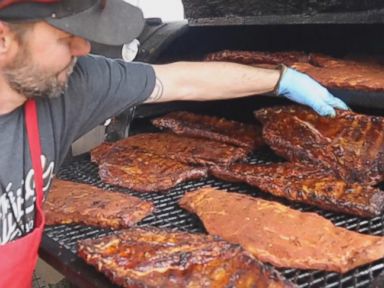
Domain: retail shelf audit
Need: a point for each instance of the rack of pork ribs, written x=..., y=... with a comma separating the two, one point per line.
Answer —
x=362, y=73
x=76, y=203
x=334, y=162
x=279, y=235
x=153, y=257
x=152, y=162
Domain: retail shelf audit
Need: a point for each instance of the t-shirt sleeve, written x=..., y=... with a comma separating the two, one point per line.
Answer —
x=98, y=89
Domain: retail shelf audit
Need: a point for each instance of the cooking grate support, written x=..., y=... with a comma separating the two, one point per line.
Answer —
x=169, y=215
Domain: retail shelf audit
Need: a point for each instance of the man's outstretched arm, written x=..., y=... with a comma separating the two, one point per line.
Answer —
x=202, y=81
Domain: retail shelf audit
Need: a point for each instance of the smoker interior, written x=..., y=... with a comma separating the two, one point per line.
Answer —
x=59, y=242
x=337, y=40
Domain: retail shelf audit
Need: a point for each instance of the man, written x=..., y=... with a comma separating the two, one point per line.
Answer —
x=51, y=93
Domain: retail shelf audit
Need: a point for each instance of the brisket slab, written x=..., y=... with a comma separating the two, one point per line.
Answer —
x=351, y=144
x=307, y=184
x=70, y=202
x=219, y=129
x=141, y=171
x=150, y=257
x=280, y=235
x=188, y=150
x=351, y=74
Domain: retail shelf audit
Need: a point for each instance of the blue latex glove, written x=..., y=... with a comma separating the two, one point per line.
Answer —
x=302, y=89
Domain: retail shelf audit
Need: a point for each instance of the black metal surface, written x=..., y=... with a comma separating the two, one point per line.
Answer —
x=59, y=243
x=193, y=43
x=155, y=32
x=214, y=8
x=242, y=12
x=365, y=17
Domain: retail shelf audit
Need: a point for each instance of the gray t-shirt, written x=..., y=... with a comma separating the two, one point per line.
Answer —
x=98, y=89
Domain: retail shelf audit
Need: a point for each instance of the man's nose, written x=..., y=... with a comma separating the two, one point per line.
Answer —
x=80, y=47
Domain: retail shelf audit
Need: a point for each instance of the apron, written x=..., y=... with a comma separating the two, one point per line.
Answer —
x=18, y=258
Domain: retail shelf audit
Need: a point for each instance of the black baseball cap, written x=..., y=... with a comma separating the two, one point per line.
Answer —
x=111, y=22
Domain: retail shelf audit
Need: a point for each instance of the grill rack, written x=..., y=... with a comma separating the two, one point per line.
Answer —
x=169, y=215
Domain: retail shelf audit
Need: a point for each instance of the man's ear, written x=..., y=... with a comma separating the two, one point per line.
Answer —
x=5, y=38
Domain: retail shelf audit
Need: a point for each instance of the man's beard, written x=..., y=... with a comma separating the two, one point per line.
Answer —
x=30, y=81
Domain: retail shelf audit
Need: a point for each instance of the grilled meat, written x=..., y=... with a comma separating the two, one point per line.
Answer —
x=353, y=74
x=150, y=257
x=219, y=129
x=70, y=202
x=280, y=235
x=100, y=152
x=139, y=170
x=351, y=144
x=308, y=184
x=195, y=151
x=344, y=74
x=258, y=57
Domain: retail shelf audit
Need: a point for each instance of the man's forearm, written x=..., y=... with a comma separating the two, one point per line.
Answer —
x=202, y=81
x=222, y=80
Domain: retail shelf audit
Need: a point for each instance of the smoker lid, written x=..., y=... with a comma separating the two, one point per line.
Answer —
x=265, y=12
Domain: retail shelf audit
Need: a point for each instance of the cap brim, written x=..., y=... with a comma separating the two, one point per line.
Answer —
x=118, y=23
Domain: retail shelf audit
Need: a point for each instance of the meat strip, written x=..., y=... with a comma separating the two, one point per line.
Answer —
x=282, y=236
x=141, y=171
x=150, y=257
x=215, y=128
x=307, y=184
x=350, y=74
x=351, y=144
x=100, y=152
x=259, y=57
x=188, y=150
x=70, y=202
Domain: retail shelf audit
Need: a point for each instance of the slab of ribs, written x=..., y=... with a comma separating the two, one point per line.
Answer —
x=150, y=257
x=69, y=202
x=142, y=171
x=279, y=235
x=307, y=184
x=153, y=162
x=215, y=128
x=188, y=150
x=358, y=74
x=351, y=144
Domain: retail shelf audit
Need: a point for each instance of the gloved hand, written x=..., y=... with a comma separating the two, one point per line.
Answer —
x=302, y=89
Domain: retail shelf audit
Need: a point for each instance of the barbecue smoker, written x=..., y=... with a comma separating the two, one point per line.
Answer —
x=338, y=28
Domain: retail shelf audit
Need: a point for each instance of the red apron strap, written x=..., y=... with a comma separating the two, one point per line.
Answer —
x=31, y=122
x=21, y=255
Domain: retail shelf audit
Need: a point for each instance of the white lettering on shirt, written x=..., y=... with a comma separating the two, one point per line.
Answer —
x=8, y=223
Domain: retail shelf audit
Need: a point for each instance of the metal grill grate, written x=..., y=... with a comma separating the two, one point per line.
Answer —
x=168, y=214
